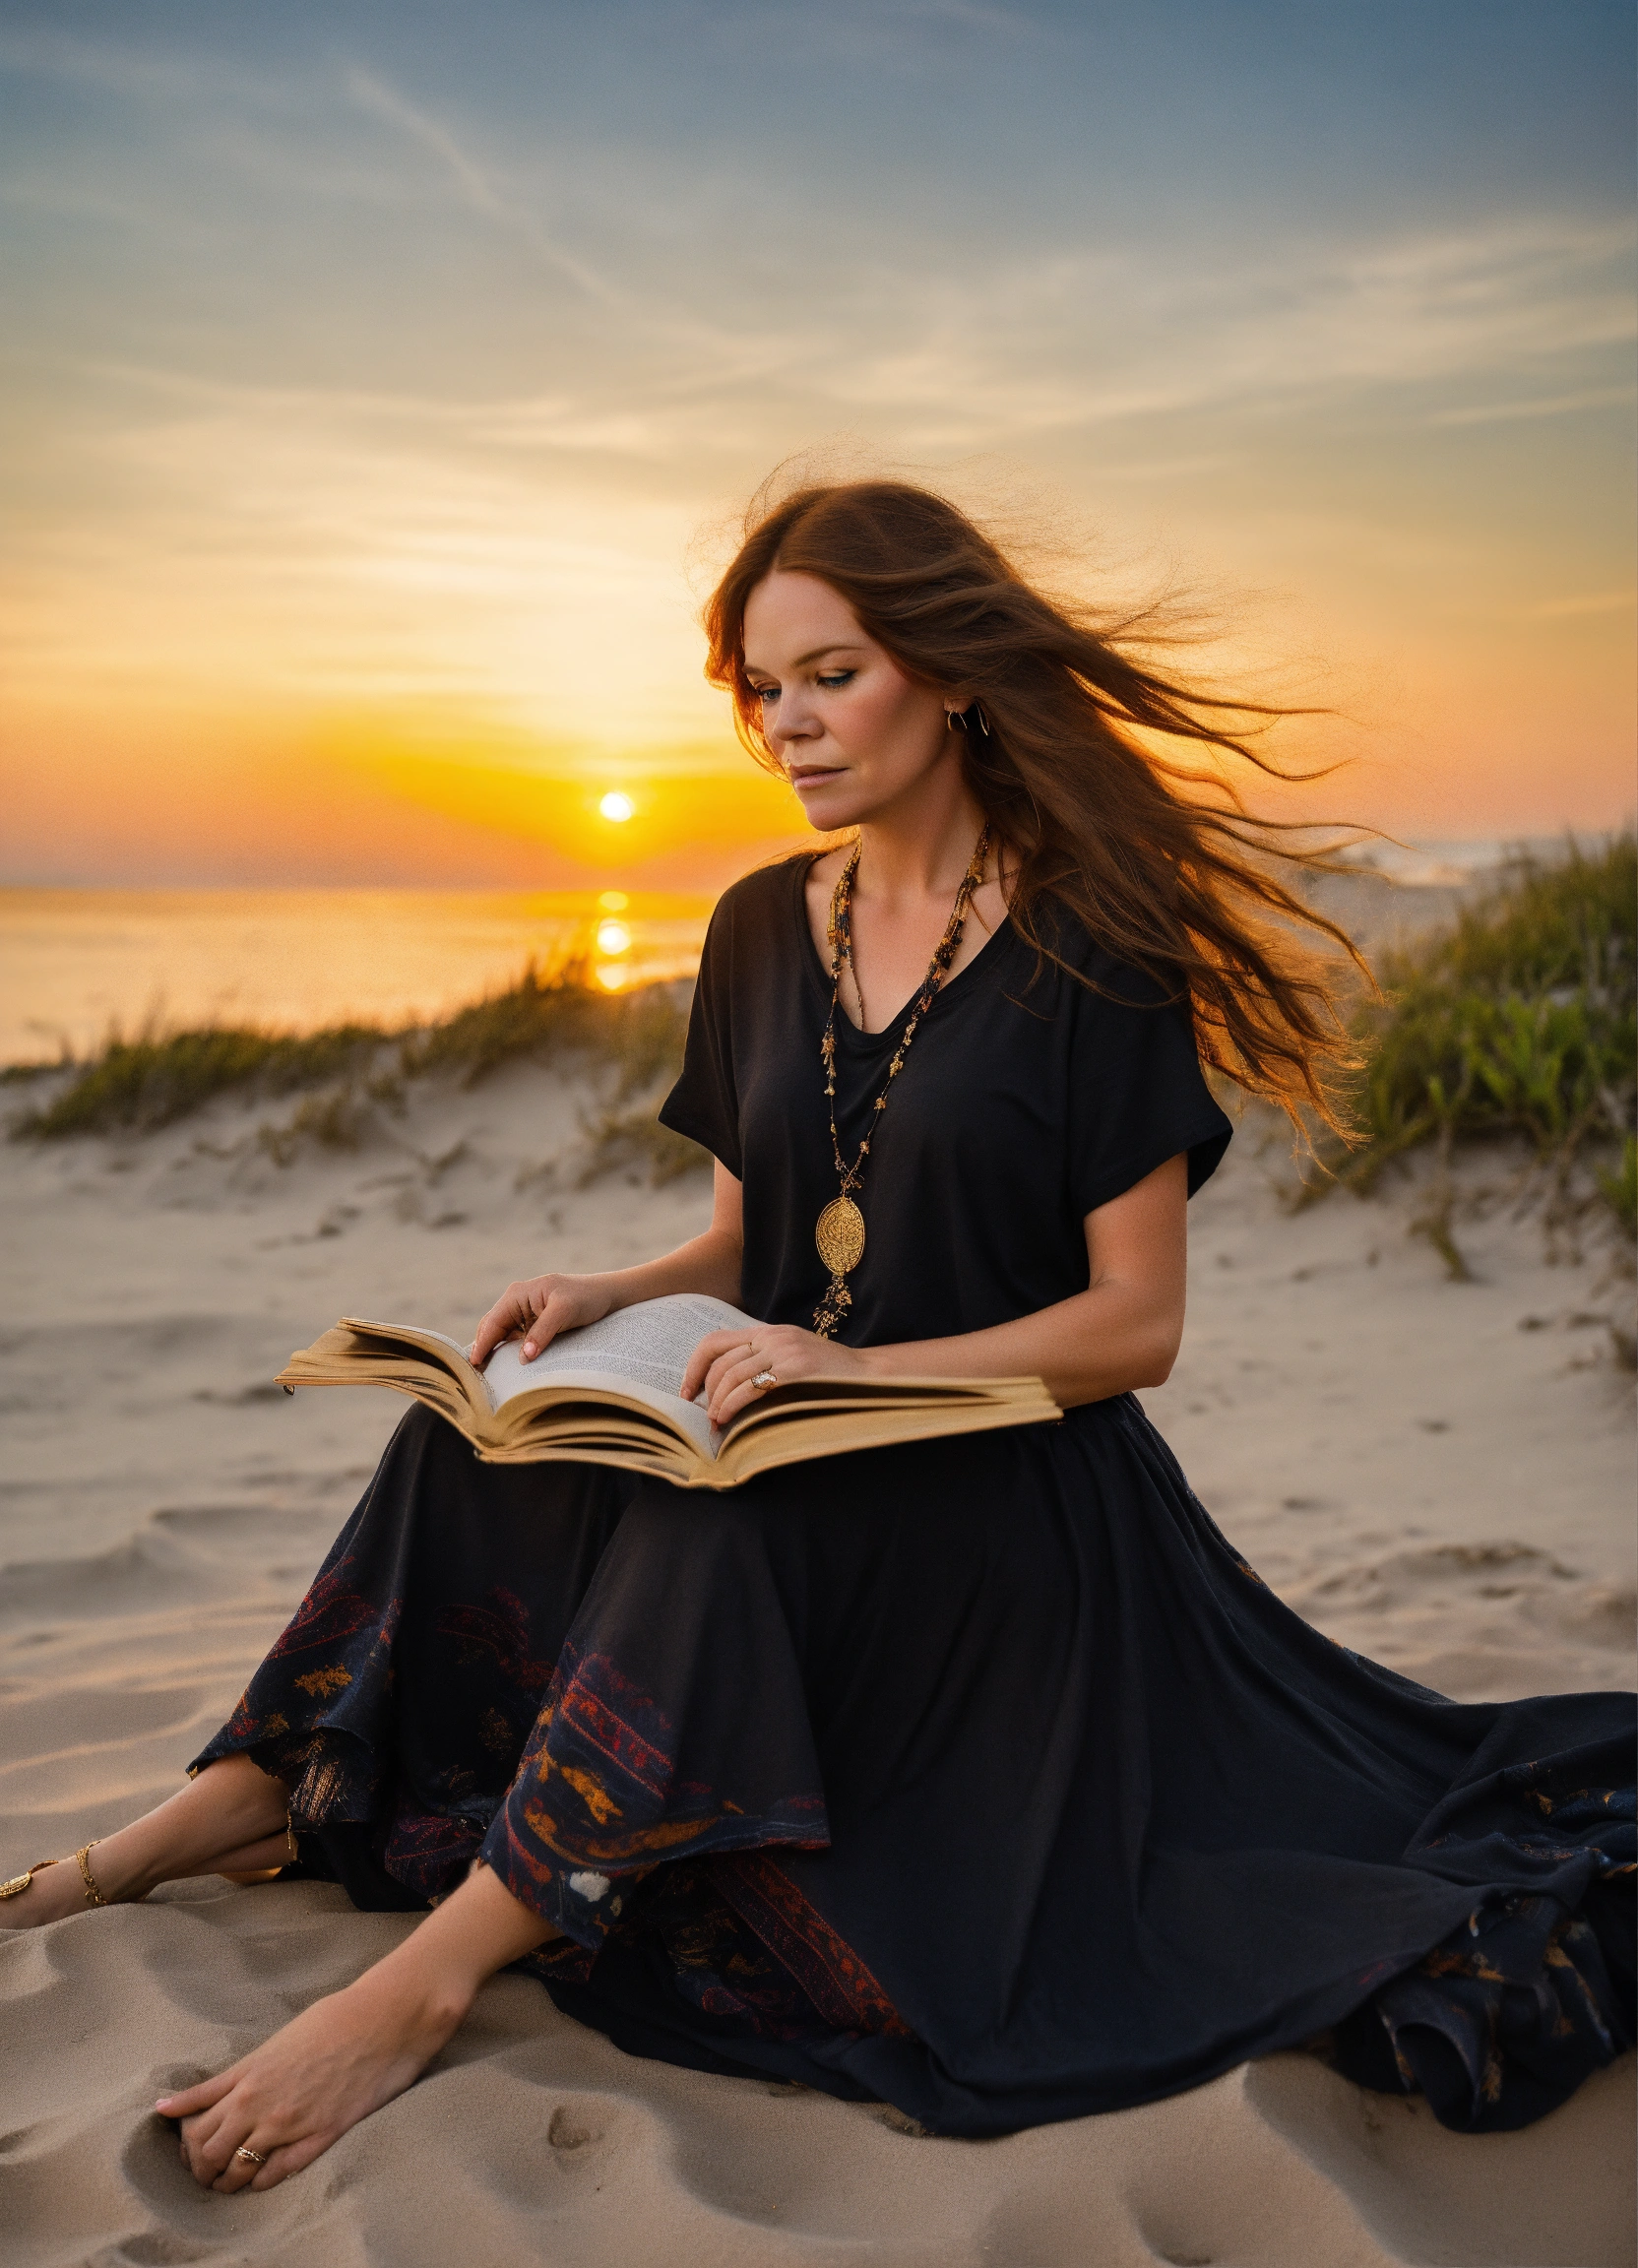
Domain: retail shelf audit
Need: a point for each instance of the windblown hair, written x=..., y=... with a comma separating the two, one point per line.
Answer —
x=1156, y=855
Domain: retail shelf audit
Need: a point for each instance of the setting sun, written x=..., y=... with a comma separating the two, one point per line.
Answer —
x=398, y=614
x=614, y=938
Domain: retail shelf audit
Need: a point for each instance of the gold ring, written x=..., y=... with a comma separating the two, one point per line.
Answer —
x=764, y=1379
x=254, y=2156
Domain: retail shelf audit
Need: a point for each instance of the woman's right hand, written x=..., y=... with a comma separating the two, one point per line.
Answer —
x=537, y=1309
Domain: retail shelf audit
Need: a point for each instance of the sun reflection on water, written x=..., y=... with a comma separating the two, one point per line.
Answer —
x=78, y=961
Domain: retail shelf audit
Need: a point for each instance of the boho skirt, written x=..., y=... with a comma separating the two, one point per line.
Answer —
x=979, y=1777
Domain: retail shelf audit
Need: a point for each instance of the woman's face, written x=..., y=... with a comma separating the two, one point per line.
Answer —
x=855, y=734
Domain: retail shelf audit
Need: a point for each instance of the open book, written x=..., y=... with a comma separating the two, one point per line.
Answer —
x=608, y=1395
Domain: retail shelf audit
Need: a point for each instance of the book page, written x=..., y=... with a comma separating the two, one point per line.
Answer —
x=642, y=1351
x=453, y=1346
x=825, y=1432
x=388, y=1342
x=559, y=1391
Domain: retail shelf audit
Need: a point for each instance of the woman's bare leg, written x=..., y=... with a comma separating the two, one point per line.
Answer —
x=229, y=1820
x=347, y=2055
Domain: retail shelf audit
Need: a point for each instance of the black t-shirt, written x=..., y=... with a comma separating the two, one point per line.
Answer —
x=1021, y=1107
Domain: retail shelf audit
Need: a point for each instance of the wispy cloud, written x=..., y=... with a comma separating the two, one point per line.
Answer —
x=46, y=52
x=257, y=543
x=1547, y=406
x=1591, y=603
x=385, y=103
x=1080, y=341
x=371, y=94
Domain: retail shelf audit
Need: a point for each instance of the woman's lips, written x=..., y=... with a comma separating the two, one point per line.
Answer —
x=813, y=775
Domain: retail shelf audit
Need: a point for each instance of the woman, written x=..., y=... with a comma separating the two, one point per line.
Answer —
x=981, y=1776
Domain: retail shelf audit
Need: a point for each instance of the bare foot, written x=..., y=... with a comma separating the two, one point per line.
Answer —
x=289, y=2098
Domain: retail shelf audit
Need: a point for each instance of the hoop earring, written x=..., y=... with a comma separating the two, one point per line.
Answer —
x=983, y=721
x=955, y=717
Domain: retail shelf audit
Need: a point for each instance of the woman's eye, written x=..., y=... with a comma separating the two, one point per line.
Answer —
x=765, y=692
x=834, y=677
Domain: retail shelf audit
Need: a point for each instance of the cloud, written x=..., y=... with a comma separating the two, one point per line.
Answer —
x=1099, y=339
x=522, y=550
x=45, y=52
x=716, y=303
x=1591, y=603
x=1550, y=406
x=328, y=548
x=373, y=95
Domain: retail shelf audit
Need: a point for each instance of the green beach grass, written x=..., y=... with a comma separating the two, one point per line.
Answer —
x=138, y=1085
x=1518, y=1017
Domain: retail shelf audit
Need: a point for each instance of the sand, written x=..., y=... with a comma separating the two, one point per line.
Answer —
x=1439, y=1472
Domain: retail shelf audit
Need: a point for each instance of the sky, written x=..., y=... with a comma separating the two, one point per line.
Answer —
x=381, y=385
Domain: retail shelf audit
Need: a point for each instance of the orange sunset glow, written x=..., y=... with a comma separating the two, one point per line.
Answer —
x=387, y=401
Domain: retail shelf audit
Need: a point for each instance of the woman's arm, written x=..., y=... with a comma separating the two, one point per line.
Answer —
x=537, y=1308
x=1122, y=1331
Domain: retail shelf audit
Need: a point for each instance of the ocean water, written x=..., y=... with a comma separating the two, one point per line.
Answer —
x=76, y=965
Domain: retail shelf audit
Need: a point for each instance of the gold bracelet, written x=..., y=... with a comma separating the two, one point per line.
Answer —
x=94, y=1896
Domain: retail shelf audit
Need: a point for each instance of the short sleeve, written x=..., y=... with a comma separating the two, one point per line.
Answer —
x=704, y=1105
x=1138, y=1094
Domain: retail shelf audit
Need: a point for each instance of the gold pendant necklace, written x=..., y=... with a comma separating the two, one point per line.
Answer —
x=840, y=1230
x=840, y=1236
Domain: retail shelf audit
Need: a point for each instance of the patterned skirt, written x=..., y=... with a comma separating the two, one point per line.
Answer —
x=982, y=1777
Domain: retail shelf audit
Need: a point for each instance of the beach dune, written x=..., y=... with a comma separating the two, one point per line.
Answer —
x=1437, y=1473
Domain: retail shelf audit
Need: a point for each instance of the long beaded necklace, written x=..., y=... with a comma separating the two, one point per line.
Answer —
x=840, y=1232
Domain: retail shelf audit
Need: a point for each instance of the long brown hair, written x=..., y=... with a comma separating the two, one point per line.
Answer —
x=1157, y=856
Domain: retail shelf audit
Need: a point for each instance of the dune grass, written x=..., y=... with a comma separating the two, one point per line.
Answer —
x=135, y=1085
x=550, y=1012
x=1518, y=1017
x=141, y=1084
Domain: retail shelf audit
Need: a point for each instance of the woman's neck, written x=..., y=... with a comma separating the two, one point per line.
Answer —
x=911, y=855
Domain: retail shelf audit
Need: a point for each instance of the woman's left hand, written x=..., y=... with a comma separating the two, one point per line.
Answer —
x=725, y=1362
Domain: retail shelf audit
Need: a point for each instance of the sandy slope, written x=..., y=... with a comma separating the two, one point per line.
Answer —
x=1438, y=1473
